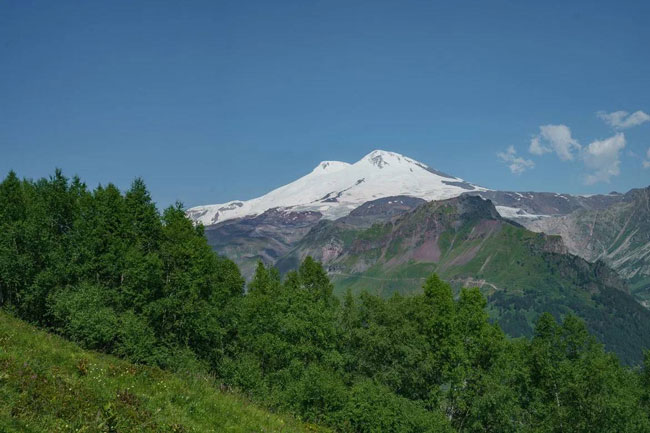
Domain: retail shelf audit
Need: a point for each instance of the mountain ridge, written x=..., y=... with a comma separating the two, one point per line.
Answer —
x=618, y=234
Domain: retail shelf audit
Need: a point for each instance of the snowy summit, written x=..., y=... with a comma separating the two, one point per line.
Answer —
x=335, y=188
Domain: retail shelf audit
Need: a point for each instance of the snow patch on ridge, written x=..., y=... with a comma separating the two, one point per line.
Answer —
x=514, y=213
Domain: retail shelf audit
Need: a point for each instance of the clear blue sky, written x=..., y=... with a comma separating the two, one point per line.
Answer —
x=218, y=100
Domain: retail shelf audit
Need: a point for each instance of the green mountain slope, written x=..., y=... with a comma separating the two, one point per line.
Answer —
x=50, y=385
x=618, y=235
x=466, y=241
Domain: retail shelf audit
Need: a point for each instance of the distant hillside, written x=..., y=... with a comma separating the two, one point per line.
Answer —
x=618, y=234
x=50, y=385
x=466, y=241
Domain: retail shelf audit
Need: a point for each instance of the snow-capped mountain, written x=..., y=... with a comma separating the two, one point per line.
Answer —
x=335, y=188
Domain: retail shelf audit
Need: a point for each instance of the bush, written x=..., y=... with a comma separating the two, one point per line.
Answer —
x=137, y=341
x=318, y=395
x=85, y=316
x=372, y=408
x=243, y=372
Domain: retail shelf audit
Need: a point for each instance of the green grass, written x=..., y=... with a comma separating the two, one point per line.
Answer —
x=640, y=287
x=404, y=279
x=375, y=232
x=51, y=385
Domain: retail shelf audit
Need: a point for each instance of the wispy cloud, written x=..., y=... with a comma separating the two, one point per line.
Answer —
x=646, y=161
x=623, y=119
x=602, y=158
x=554, y=138
x=516, y=164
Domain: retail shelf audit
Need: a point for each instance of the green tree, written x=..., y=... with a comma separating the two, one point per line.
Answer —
x=314, y=279
x=142, y=216
x=16, y=267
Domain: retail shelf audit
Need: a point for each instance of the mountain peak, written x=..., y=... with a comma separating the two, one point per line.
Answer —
x=330, y=166
x=382, y=158
x=335, y=188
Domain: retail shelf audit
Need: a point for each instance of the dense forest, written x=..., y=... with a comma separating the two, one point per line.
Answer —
x=107, y=270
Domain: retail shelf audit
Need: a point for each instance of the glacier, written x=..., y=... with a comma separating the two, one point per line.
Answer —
x=335, y=188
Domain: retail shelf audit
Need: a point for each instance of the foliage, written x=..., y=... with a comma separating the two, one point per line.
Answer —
x=108, y=271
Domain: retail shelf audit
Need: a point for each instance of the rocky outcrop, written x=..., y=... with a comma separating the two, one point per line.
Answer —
x=618, y=234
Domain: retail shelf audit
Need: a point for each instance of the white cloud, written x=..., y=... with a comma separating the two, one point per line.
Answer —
x=536, y=147
x=602, y=158
x=646, y=161
x=516, y=164
x=623, y=119
x=554, y=138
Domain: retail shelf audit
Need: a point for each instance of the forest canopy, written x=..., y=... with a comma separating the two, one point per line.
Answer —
x=106, y=269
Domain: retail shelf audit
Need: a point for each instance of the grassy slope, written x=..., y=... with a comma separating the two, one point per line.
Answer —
x=504, y=257
x=520, y=280
x=48, y=384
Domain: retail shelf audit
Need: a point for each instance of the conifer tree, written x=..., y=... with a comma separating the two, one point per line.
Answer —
x=314, y=279
x=143, y=218
x=261, y=281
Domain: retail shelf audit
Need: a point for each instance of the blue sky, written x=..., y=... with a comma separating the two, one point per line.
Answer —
x=212, y=101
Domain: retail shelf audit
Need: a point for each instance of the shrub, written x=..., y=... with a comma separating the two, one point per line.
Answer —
x=85, y=316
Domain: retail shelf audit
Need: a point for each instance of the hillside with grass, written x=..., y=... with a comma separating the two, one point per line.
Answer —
x=51, y=385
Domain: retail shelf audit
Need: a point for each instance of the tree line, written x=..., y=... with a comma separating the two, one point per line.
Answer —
x=106, y=269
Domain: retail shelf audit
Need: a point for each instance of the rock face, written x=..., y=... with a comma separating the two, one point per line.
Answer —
x=617, y=234
x=265, y=237
x=613, y=228
x=381, y=210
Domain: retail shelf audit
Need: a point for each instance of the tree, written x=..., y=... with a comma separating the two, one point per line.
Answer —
x=478, y=346
x=314, y=279
x=142, y=215
x=439, y=326
x=15, y=263
x=265, y=281
x=12, y=201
